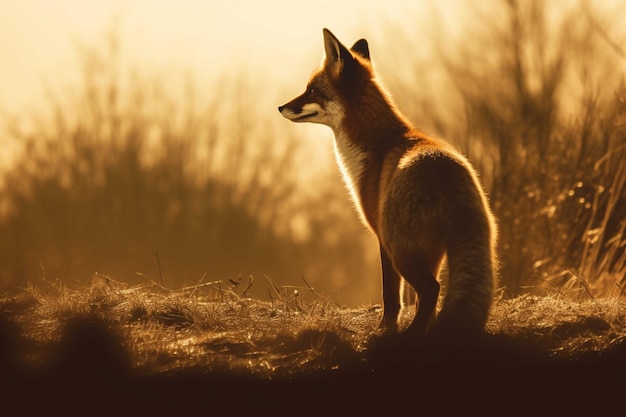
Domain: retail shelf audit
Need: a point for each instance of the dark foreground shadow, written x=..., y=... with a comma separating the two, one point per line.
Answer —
x=495, y=375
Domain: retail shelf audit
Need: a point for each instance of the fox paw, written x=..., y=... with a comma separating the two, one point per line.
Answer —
x=388, y=326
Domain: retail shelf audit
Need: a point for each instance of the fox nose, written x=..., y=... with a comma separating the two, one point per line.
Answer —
x=280, y=108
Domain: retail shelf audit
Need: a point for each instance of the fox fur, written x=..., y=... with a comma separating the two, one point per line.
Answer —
x=418, y=195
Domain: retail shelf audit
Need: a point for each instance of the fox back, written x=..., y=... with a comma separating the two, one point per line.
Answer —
x=418, y=195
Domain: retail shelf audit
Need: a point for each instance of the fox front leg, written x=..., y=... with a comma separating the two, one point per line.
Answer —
x=391, y=293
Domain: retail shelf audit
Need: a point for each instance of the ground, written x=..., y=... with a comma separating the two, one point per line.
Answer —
x=197, y=347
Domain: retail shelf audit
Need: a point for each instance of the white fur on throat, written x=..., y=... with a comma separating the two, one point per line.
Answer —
x=351, y=161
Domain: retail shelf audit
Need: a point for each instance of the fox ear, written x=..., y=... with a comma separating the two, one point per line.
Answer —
x=361, y=48
x=336, y=54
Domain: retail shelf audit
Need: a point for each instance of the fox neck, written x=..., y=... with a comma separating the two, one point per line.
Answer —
x=365, y=136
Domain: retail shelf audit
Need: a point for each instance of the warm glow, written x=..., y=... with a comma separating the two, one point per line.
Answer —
x=206, y=37
x=167, y=237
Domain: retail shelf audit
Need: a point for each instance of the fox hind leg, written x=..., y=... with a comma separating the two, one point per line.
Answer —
x=427, y=288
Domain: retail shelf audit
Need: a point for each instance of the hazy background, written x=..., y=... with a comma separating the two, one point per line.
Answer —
x=140, y=139
x=203, y=37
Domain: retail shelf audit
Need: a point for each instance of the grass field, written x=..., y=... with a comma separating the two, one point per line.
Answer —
x=203, y=344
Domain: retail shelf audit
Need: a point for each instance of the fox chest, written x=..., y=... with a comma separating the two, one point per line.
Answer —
x=360, y=179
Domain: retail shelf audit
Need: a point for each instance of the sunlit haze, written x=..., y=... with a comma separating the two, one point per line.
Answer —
x=170, y=237
x=135, y=127
x=38, y=38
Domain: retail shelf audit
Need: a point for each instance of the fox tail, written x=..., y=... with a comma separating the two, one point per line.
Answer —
x=471, y=278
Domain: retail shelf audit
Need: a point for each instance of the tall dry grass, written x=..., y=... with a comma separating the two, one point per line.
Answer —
x=534, y=94
x=128, y=175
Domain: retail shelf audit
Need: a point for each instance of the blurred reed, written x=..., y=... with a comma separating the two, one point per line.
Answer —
x=534, y=94
x=128, y=175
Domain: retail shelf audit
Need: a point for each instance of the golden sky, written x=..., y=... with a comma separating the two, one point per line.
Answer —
x=278, y=37
x=37, y=37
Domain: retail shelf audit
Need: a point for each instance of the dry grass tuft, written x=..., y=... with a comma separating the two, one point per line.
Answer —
x=563, y=327
x=213, y=328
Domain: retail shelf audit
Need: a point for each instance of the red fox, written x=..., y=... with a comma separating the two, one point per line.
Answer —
x=420, y=197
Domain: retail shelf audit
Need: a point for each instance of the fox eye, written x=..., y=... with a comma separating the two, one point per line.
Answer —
x=314, y=91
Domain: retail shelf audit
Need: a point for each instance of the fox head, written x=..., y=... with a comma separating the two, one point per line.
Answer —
x=330, y=90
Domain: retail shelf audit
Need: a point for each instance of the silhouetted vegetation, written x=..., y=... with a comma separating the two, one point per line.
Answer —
x=534, y=94
x=130, y=175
